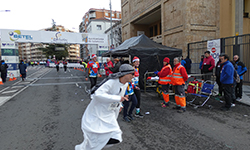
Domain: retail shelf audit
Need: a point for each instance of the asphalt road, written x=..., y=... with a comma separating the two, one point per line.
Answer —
x=44, y=113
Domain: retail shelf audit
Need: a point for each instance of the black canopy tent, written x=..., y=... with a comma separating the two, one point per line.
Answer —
x=151, y=54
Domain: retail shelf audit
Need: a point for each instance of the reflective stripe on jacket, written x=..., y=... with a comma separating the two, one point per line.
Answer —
x=177, y=78
x=166, y=80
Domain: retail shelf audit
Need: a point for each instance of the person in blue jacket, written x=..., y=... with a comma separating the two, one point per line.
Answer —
x=241, y=70
x=227, y=80
x=183, y=62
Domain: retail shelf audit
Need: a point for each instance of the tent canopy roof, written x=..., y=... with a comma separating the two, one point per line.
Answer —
x=140, y=43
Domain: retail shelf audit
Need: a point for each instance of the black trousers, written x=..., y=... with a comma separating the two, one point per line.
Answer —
x=57, y=68
x=92, y=81
x=238, y=89
x=3, y=76
x=228, y=90
x=65, y=68
x=138, y=96
x=219, y=84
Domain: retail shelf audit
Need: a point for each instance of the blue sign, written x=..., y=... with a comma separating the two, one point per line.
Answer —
x=12, y=66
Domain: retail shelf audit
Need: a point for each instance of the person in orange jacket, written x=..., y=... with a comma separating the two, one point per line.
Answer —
x=178, y=80
x=165, y=79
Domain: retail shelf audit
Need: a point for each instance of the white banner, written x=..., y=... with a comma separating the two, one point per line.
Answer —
x=10, y=59
x=214, y=47
x=7, y=45
x=24, y=36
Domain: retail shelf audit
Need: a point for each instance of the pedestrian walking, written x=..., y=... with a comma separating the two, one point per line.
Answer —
x=23, y=69
x=127, y=116
x=65, y=63
x=188, y=64
x=137, y=91
x=3, y=70
x=99, y=122
x=241, y=70
x=178, y=80
x=165, y=76
x=93, y=67
x=208, y=65
x=57, y=65
x=227, y=79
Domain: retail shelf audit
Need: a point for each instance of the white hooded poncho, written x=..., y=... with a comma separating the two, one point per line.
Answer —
x=99, y=121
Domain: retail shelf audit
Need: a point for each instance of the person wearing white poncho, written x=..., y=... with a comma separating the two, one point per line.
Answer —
x=99, y=122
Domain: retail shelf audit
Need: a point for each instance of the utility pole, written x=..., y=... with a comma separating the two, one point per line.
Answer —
x=111, y=36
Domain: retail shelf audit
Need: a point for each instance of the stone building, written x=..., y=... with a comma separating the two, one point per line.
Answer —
x=176, y=23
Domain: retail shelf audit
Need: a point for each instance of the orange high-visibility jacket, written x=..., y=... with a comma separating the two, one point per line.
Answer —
x=166, y=80
x=177, y=79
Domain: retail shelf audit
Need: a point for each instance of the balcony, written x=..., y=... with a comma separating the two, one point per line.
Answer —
x=157, y=39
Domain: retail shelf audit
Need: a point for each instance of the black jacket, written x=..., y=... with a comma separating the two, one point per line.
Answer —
x=3, y=68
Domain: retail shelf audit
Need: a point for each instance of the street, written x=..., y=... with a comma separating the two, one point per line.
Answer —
x=44, y=113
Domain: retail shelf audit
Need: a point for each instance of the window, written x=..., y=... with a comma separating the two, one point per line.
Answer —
x=99, y=27
x=156, y=30
x=118, y=15
x=113, y=15
x=106, y=14
x=151, y=31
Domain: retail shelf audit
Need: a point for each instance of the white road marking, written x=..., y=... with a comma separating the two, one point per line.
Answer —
x=44, y=84
x=9, y=92
x=16, y=87
x=4, y=99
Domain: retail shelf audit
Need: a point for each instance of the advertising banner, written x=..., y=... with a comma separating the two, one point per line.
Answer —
x=214, y=47
x=12, y=66
x=58, y=37
x=25, y=36
x=9, y=52
x=10, y=59
x=7, y=45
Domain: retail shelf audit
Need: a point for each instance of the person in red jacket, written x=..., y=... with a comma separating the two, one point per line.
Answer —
x=165, y=76
x=107, y=66
x=208, y=65
x=178, y=80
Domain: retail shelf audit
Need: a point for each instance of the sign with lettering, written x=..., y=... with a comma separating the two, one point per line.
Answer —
x=214, y=47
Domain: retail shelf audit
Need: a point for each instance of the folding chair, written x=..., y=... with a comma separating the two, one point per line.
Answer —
x=206, y=92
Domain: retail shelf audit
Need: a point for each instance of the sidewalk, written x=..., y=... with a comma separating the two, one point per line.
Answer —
x=245, y=95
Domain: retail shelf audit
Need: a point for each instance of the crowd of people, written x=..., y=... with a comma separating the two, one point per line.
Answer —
x=229, y=76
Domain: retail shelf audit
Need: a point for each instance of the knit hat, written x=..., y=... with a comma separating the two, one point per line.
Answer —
x=123, y=70
x=135, y=59
x=166, y=59
x=93, y=55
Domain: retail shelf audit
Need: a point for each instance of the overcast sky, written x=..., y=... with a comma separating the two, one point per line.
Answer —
x=38, y=14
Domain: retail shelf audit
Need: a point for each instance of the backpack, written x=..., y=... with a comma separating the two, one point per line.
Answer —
x=193, y=87
x=3, y=69
x=236, y=77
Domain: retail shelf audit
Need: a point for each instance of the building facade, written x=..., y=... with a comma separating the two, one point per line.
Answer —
x=97, y=21
x=176, y=23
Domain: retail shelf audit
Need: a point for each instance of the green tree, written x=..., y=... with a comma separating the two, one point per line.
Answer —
x=50, y=50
